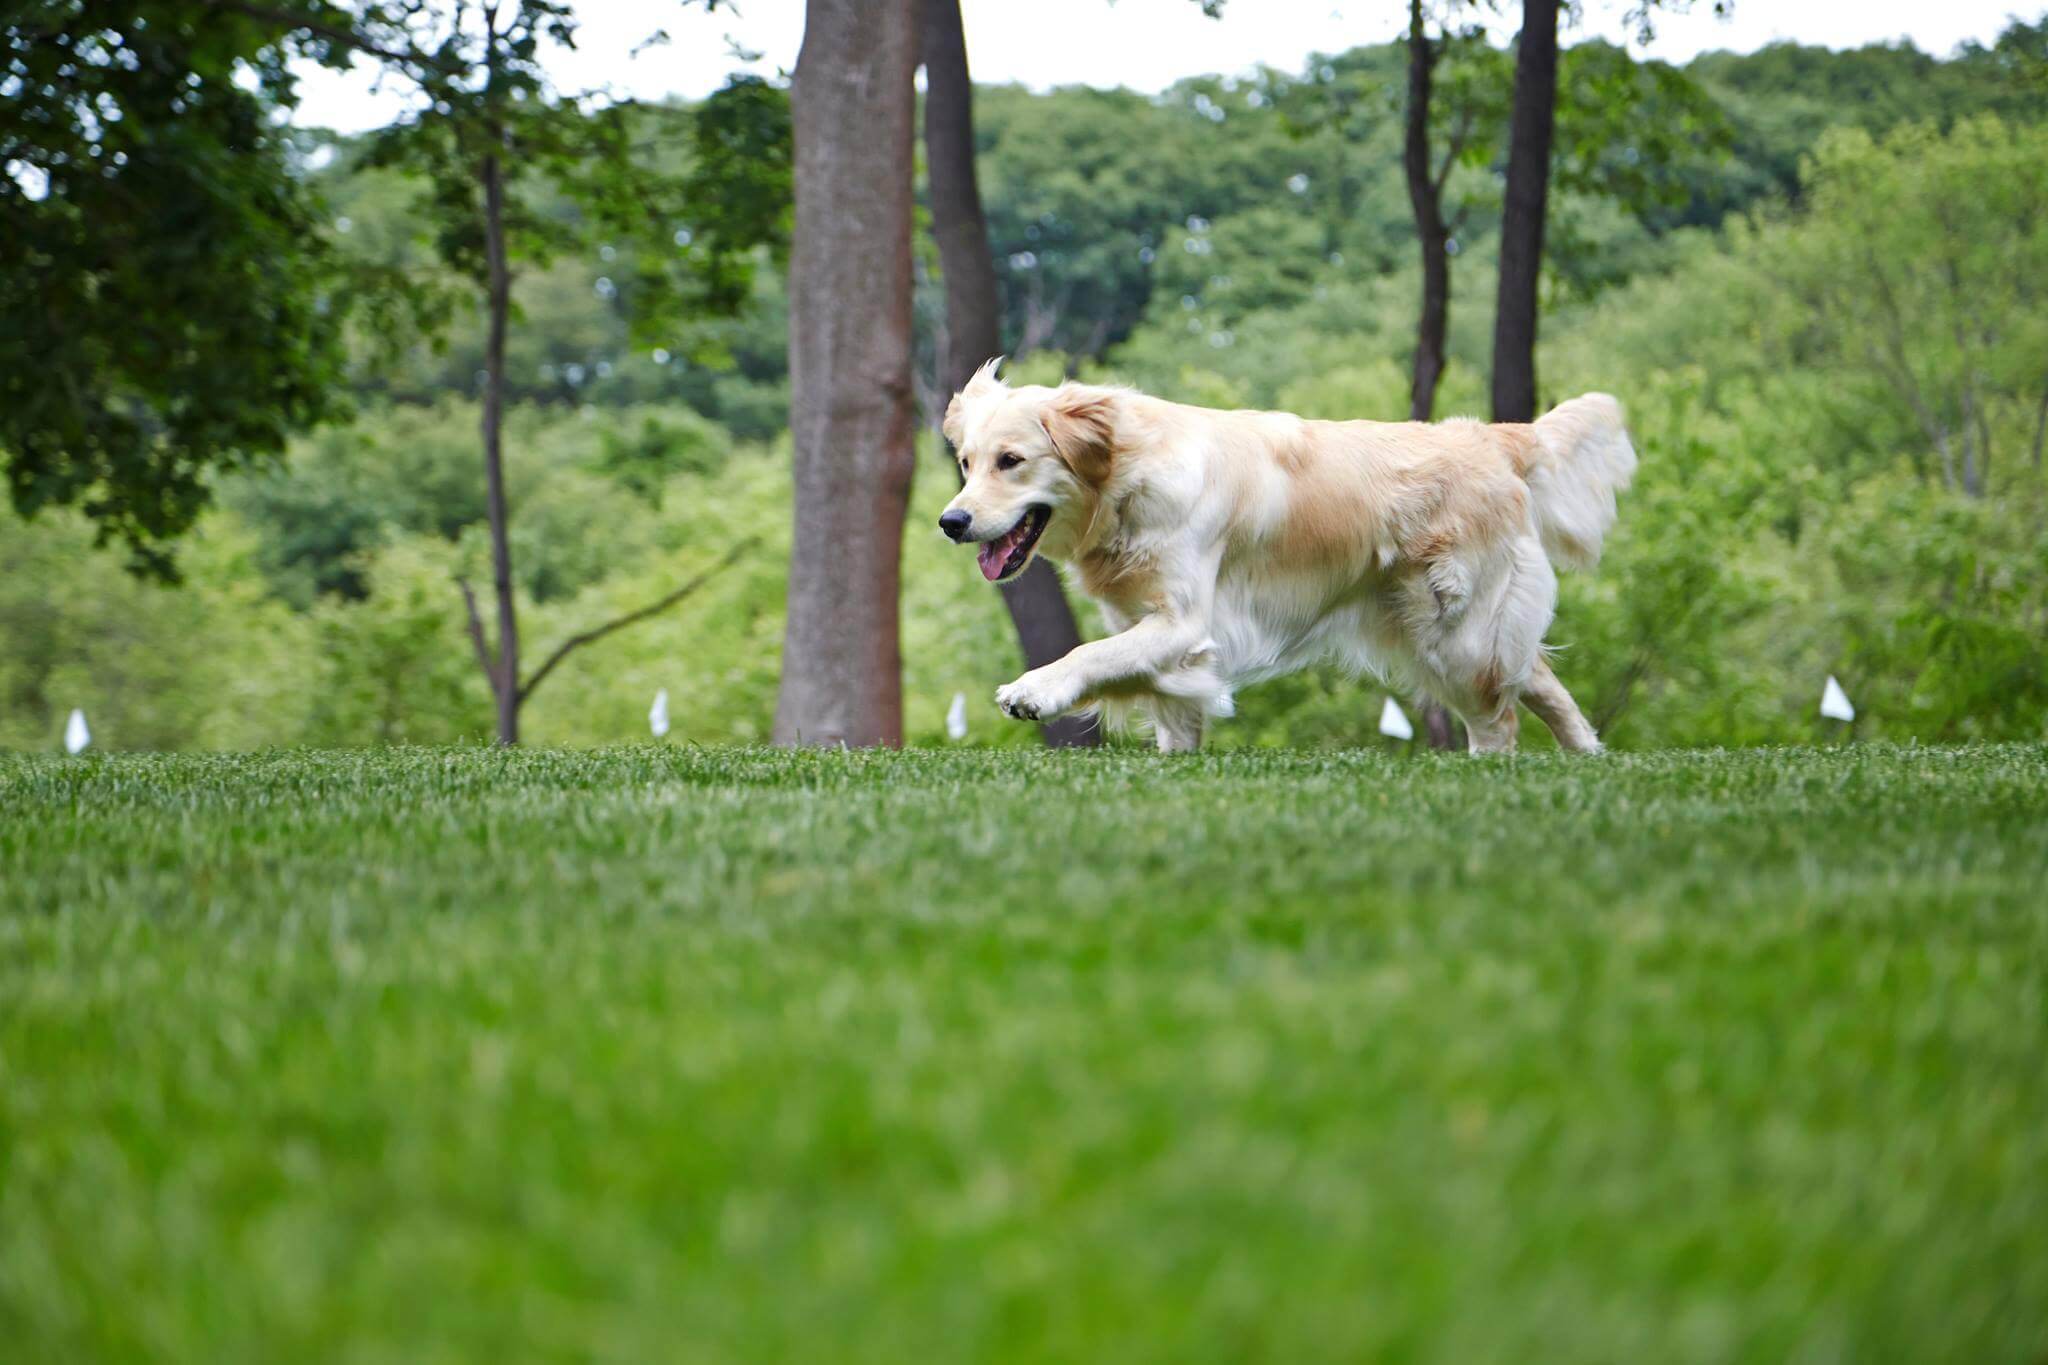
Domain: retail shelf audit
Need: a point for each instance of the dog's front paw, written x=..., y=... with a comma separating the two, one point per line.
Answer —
x=1035, y=696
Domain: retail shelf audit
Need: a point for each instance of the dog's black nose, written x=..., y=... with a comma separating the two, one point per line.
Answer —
x=955, y=523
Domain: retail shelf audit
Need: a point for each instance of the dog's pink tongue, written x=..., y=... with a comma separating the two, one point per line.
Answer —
x=993, y=554
x=996, y=553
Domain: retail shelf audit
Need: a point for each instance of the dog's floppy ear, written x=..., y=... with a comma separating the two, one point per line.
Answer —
x=983, y=382
x=1081, y=424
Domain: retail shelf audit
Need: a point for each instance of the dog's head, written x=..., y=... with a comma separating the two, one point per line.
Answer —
x=1033, y=462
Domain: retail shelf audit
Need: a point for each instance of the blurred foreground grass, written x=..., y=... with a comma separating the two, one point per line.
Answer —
x=726, y=1054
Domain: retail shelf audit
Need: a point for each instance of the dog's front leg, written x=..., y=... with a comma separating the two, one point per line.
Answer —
x=1157, y=644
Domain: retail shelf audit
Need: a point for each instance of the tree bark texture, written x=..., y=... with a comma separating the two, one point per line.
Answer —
x=1521, y=232
x=505, y=675
x=851, y=408
x=1425, y=194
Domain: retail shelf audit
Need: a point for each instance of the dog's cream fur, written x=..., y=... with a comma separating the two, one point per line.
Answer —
x=1227, y=547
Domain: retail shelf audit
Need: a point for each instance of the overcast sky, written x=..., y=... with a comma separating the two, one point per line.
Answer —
x=1142, y=44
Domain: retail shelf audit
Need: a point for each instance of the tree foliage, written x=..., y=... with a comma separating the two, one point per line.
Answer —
x=487, y=121
x=681, y=204
x=164, y=311
x=1925, y=268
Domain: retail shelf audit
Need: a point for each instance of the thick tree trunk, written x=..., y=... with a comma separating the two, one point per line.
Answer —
x=850, y=372
x=1038, y=606
x=1425, y=195
x=1521, y=229
x=505, y=680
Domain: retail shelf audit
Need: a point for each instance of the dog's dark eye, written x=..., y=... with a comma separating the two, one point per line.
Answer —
x=963, y=469
x=1008, y=461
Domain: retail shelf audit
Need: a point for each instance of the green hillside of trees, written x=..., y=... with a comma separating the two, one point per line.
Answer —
x=1108, y=210
x=1814, y=278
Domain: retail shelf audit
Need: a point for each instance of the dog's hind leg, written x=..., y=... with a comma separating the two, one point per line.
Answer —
x=1490, y=655
x=1494, y=734
x=1554, y=706
x=1478, y=700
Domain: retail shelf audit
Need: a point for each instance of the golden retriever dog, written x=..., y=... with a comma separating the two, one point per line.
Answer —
x=1228, y=547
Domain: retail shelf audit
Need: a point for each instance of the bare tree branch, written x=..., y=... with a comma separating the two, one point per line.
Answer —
x=1453, y=149
x=1935, y=430
x=574, y=642
x=1613, y=706
x=484, y=657
x=2040, y=429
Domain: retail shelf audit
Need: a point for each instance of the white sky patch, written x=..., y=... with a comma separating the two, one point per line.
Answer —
x=34, y=180
x=1143, y=45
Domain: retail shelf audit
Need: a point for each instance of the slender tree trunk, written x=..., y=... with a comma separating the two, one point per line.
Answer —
x=1426, y=196
x=1973, y=467
x=1521, y=228
x=959, y=226
x=1038, y=606
x=505, y=681
x=850, y=372
x=1984, y=447
x=2040, y=431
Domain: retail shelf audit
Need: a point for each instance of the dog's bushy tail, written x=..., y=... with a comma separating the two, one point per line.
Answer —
x=1582, y=458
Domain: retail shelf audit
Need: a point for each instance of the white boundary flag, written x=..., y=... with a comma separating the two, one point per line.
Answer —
x=1834, y=702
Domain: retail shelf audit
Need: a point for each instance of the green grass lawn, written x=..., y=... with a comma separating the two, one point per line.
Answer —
x=662, y=1053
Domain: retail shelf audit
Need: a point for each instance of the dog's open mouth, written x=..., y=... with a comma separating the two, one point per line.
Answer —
x=1006, y=555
